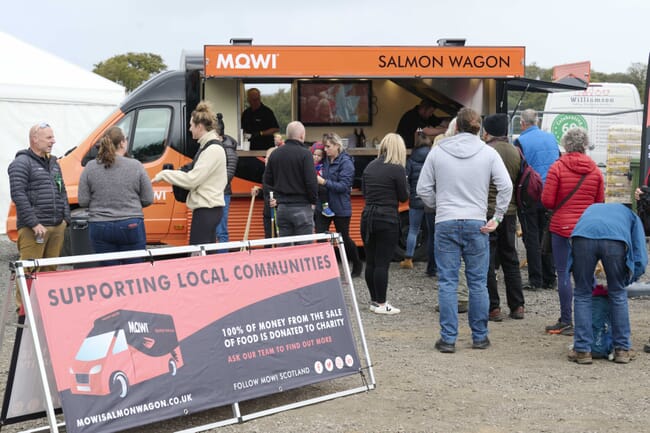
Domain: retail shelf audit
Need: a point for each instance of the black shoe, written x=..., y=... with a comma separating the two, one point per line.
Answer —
x=530, y=287
x=357, y=268
x=463, y=307
x=646, y=348
x=549, y=286
x=445, y=347
x=483, y=344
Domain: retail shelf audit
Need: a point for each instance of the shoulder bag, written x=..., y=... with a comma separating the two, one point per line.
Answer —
x=546, y=236
x=180, y=193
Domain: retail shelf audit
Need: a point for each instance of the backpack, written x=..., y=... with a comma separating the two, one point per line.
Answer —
x=180, y=193
x=528, y=185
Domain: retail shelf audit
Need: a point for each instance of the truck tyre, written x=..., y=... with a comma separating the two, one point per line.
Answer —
x=420, y=253
x=172, y=367
x=119, y=384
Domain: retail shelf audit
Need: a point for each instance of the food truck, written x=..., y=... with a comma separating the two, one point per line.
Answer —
x=123, y=349
x=386, y=81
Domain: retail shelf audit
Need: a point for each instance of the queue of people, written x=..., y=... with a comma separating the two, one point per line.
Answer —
x=472, y=218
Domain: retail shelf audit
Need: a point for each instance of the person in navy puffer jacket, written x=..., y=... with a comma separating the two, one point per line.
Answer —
x=416, y=207
x=337, y=177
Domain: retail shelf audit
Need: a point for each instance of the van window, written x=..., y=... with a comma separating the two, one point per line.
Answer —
x=120, y=342
x=95, y=347
x=149, y=138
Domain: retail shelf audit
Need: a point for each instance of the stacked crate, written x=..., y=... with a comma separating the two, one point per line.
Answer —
x=623, y=144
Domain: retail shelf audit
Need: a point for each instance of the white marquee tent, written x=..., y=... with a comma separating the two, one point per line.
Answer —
x=36, y=86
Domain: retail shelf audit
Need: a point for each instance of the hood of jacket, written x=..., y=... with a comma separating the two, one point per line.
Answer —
x=578, y=162
x=462, y=145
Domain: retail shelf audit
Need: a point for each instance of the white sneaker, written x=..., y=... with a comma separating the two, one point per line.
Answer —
x=373, y=306
x=386, y=309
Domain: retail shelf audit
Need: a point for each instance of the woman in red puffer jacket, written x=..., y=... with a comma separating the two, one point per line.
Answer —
x=562, y=178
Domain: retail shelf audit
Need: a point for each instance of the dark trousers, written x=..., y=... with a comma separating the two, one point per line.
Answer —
x=342, y=226
x=204, y=225
x=430, y=218
x=504, y=252
x=380, y=240
x=541, y=270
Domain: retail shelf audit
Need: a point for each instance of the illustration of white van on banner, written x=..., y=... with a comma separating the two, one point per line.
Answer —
x=596, y=109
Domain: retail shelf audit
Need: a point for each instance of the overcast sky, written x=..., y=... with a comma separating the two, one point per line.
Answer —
x=610, y=34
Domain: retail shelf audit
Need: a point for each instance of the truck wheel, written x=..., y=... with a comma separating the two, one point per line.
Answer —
x=172, y=367
x=420, y=253
x=119, y=384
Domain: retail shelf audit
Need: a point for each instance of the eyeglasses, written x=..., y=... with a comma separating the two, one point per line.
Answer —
x=43, y=125
x=328, y=136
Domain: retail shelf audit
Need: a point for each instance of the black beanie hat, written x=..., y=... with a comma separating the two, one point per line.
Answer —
x=496, y=125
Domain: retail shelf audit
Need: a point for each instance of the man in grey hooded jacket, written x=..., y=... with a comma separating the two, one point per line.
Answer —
x=455, y=180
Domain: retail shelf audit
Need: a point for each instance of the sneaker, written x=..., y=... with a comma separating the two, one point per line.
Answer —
x=327, y=212
x=483, y=344
x=559, y=327
x=386, y=309
x=622, y=356
x=445, y=347
x=517, y=313
x=495, y=315
x=579, y=357
x=373, y=306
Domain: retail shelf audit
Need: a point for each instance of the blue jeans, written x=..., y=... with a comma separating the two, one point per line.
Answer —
x=455, y=239
x=560, y=247
x=586, y=253
x=415, y=221
x=222, y=228
x=117, y=236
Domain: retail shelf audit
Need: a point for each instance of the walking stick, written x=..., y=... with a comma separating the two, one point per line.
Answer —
x=250, y=218
x=272, y=216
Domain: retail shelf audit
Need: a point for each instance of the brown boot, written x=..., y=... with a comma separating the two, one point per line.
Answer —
x=407, y=263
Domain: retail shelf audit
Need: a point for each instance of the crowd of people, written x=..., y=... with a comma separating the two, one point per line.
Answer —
x=471, y=220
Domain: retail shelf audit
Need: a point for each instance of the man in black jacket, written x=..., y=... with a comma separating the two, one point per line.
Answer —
x=41, y=200
x=290, y=174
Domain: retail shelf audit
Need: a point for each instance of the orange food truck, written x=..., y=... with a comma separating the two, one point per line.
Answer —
x=155, y=116
x=123, y=349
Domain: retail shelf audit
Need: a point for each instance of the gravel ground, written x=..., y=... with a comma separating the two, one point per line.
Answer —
x=523, y=383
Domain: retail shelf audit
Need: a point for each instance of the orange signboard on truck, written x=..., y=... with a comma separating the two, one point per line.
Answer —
x=362, y=61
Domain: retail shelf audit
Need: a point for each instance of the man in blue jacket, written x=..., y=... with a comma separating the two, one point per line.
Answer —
x=540, y=150
x=613, y=234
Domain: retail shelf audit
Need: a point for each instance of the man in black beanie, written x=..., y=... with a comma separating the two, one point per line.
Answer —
x=502, y=240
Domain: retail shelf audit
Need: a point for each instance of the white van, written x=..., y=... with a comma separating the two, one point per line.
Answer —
x=596, y=109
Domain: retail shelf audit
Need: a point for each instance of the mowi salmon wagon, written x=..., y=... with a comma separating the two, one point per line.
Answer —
x=155, y=116
x=123, y=349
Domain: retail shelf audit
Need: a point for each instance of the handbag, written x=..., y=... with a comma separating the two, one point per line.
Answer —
x=546, y=235
x=180, y=193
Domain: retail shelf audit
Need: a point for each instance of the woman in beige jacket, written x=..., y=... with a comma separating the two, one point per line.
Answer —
x=207, y=179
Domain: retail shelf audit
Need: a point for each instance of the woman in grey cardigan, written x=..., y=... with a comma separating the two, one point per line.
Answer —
x=115, y=189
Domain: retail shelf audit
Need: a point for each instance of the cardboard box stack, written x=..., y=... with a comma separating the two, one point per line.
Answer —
x=623, y=144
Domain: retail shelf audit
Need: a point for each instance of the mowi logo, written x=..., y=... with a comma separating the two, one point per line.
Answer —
x=247, y=61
